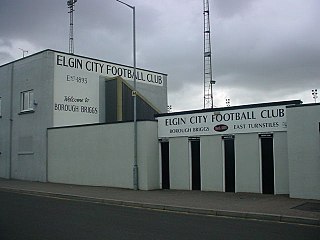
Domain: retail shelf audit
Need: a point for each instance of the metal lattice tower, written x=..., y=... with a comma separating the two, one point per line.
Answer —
x=208, y=79
x=71, y=4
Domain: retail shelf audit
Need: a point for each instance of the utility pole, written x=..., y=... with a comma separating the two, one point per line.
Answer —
x=134, y=95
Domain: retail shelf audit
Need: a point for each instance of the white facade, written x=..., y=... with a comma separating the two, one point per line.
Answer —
x=304, y=151
x=77, y=86
x=266, y=149
x=102, y=155
x=52, y=128
x=51, y=89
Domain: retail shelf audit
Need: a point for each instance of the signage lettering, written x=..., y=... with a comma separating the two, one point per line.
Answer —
x=175, y=121
x=61, y=107
x=237, y=116
x=77, y=86
x=227, y=122
x=107, y=69
x=272, y=113
x=198, y=119
x=71, y=62
x=94, y=66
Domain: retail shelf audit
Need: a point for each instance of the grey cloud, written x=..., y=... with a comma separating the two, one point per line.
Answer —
x=5, y=57
x=229, y=8
x=257, y=45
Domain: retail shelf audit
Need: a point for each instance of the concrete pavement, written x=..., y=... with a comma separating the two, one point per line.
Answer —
x=279, y=208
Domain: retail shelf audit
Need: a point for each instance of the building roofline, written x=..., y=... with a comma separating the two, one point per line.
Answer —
x=29, y=56
x=256, y=105
x=76, y=55
x=304, y=105
x=98, y=124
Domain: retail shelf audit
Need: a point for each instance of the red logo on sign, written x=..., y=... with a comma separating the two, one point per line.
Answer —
x=220, y=128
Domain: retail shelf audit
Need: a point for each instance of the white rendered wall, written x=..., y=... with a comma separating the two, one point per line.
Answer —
x=148, y=155
x=211, y=163
x=281, y=167
x=303, y=151
x=247, y=159
x=247, y=163
x=102, y=155
x=179, y=163
x=5, y=95
x=29, y=146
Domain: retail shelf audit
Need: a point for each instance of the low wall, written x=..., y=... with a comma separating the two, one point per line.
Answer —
x=102, y=155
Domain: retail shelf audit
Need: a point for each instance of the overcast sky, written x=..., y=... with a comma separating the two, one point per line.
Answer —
x=263, y=50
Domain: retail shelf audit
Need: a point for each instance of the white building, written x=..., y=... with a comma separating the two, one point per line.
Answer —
x=261, y=148
x=54, y=89
x=68, y=119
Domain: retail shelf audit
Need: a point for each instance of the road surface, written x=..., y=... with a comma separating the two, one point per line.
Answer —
x=33, y=217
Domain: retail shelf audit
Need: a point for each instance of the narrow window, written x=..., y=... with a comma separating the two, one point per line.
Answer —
x=26, y=101
x=0, y=107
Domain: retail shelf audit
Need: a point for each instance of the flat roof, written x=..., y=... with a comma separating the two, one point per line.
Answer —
x=304, y=105
x=95, y=59
x=257, y=105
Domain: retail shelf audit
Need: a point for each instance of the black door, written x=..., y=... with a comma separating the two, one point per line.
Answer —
x=267, y=165
x=165, y=165
x=195, y=159
x=229, y=164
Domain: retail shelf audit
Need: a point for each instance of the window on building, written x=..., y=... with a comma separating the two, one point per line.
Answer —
x=0, y=107
x=26, y=101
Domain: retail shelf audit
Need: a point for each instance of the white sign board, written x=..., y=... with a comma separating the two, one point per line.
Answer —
x=264, y=119
x=76, y=87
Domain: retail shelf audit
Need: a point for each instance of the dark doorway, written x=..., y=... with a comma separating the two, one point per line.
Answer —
x=195, y=161
x=267, y=163
x=165, y=165
x=229, y=163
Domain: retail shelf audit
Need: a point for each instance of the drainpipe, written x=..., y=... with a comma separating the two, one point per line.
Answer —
x=11, y=122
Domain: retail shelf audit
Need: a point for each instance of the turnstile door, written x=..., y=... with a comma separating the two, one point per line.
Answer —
x=165, y=165
x=229, y=158
x=195, y=159
x=267, y=165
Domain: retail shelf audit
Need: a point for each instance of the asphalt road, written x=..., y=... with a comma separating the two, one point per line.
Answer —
x=33, y=217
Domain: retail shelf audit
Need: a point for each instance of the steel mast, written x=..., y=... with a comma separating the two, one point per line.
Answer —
x=208, y=79
x=71, y=4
